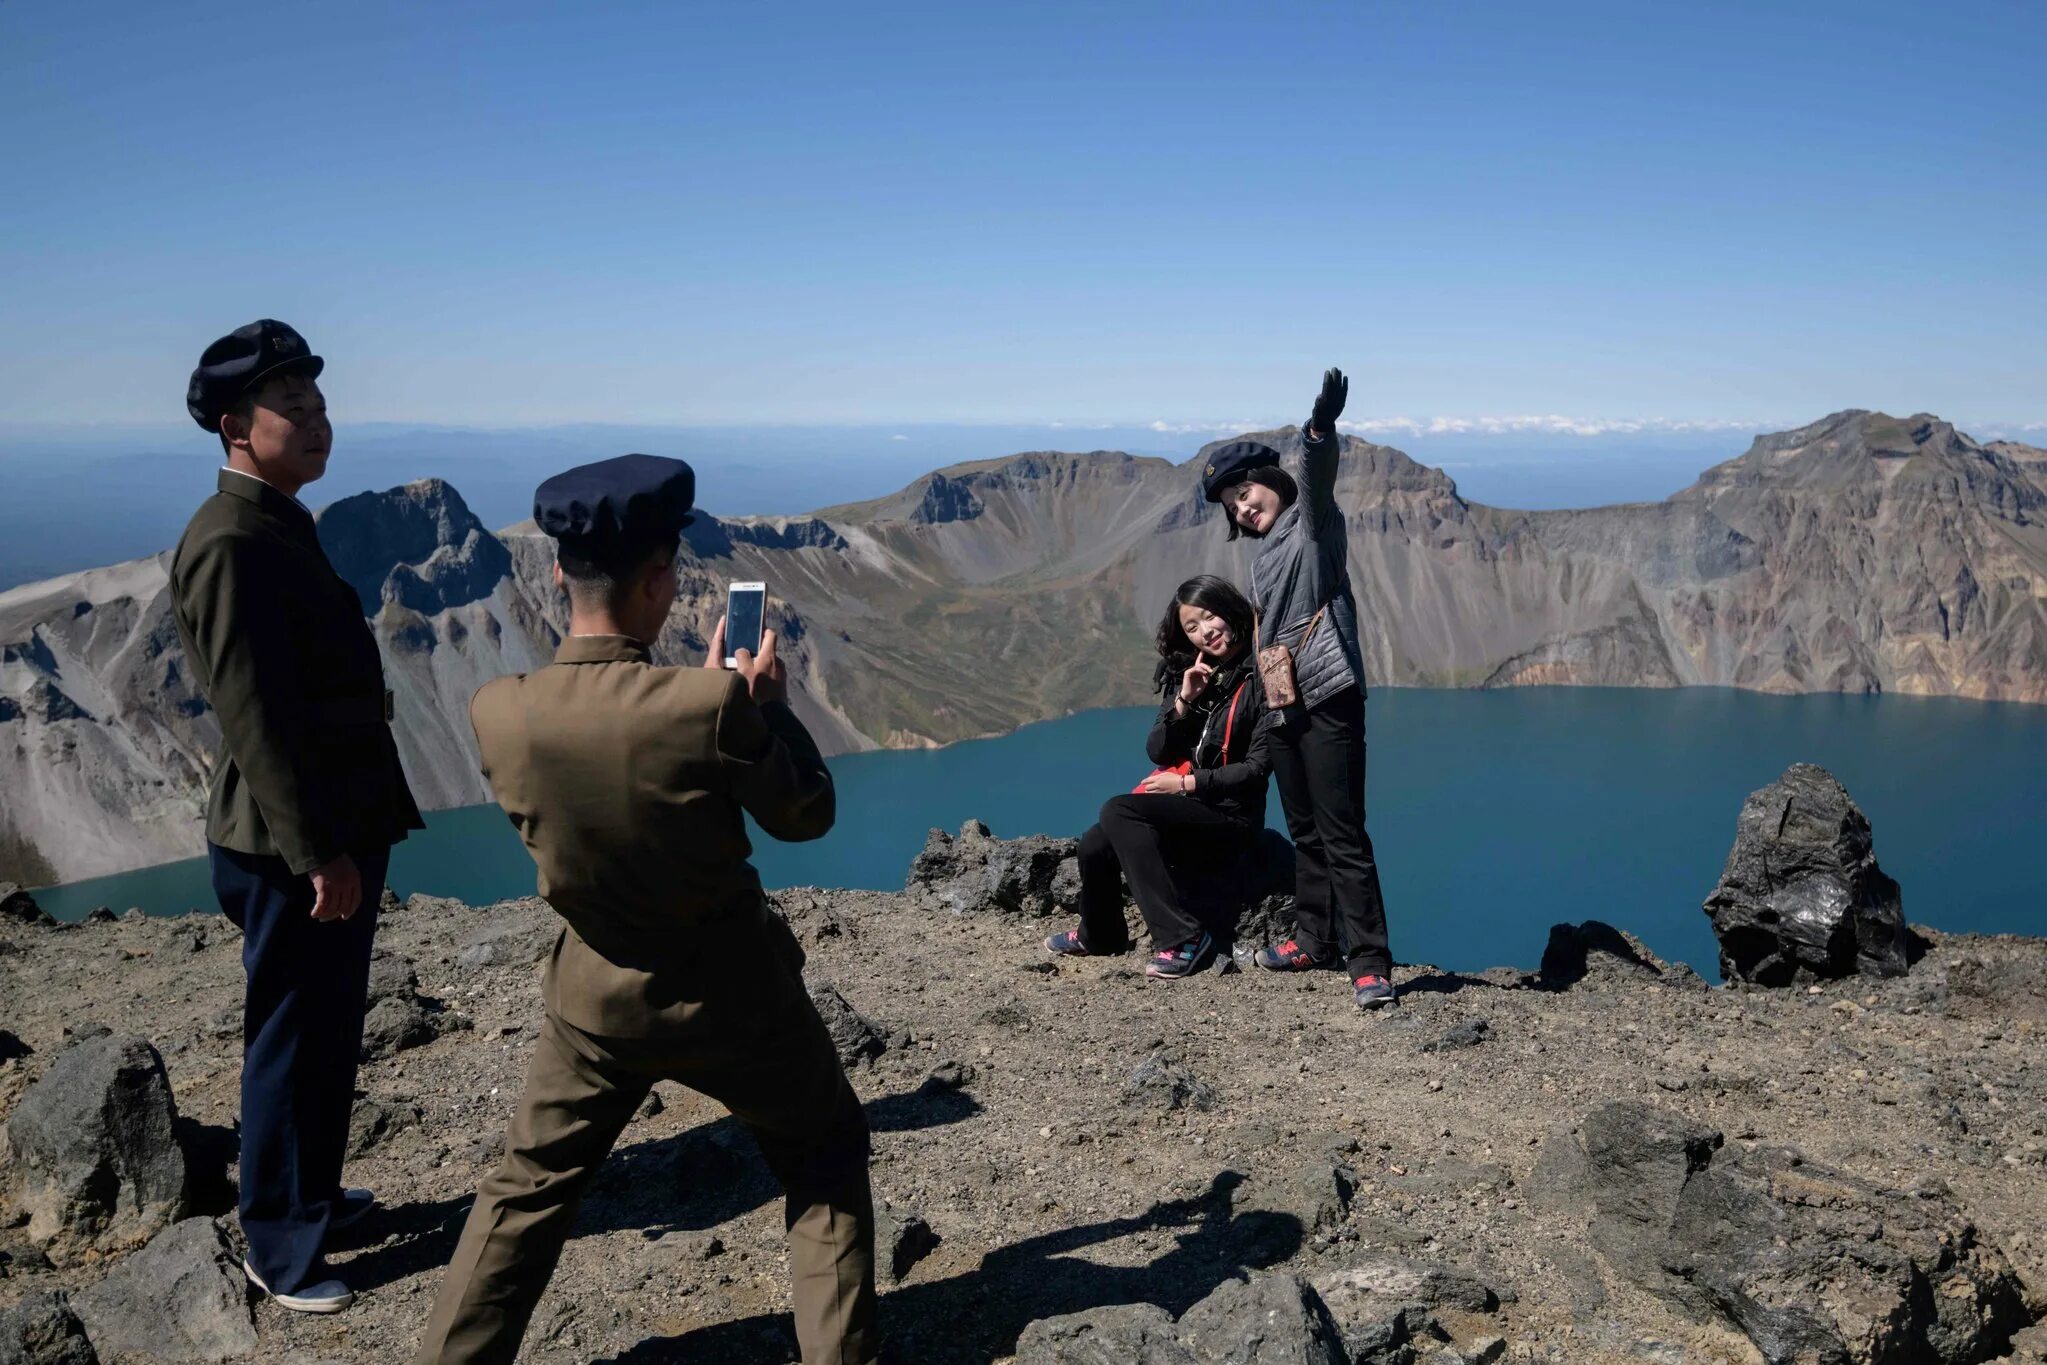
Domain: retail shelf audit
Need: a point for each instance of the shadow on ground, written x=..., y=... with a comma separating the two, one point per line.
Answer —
x=976, y=1317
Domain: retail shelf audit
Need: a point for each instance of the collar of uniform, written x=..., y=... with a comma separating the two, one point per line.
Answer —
x=601, y=649
x=263, y=493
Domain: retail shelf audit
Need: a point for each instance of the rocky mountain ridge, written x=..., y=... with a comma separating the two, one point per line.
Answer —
x=1860, y=553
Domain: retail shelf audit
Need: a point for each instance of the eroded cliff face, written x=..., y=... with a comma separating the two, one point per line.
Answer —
x=1861, y=553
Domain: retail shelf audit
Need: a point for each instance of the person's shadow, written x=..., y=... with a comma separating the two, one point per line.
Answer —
x=700, y=1178
x=976, y=1317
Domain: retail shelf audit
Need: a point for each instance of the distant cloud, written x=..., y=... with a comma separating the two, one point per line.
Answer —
x=1205, y=428
x=899, y=437
x=1548, y=424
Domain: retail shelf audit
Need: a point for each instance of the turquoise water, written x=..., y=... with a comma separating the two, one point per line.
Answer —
x=1495, y=814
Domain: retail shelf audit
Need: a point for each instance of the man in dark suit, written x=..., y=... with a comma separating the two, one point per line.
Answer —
x=307, y=794
x=629, y=784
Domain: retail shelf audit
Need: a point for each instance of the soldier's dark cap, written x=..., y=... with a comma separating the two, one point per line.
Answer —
x=241, y=360
x=630, y=498
x=1233, y=463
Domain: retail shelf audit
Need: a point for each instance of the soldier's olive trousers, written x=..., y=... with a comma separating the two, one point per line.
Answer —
x=775, y=1069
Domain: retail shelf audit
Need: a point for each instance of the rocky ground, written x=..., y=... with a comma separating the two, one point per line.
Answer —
x=1591, y=1162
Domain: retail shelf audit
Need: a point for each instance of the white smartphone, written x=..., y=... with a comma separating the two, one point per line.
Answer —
x=746, y=609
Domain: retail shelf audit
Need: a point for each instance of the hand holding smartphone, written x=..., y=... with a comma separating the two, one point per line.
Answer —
x=746, y=609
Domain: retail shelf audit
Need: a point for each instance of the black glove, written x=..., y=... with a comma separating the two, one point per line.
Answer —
x=1329, y=403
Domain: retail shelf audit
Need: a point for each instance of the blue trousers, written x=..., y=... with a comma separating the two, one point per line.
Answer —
x=302, y=1018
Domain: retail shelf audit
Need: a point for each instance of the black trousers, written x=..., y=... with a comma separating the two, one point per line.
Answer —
x=302, y=1017
x=1319, y=766
x=1178, y=855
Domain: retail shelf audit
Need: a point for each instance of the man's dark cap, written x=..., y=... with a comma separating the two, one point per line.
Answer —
x=241, y=360
x=627, y=498
x=1231, y=464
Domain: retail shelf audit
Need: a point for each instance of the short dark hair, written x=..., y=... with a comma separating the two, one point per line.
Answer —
x=1211, y=594
x=596, y=572
x=1265, y=476
x=243, y=407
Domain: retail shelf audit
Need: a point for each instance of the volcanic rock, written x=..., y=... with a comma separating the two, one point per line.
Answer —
x=183, y=1297
x=398, y=1016
x=1597, y=954
x=1802, y=897
x=94, y=1141
x=1123, y=1334
x=1265, y=1320
x=902, y=1238
x=42, y=1330
x=856, y=1039
x=977, y=872
x=18, y=907
x=1160, y=1083
x=1756, y=1240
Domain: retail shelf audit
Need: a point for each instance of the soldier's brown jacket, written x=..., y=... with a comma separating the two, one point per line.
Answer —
x=277, y=643
x=627, y=783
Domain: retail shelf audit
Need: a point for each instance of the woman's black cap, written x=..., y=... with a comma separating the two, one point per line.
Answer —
x=1231, y=463
x=628, y=497
x=241, y=360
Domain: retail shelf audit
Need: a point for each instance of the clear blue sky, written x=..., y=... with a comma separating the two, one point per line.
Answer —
x=503, y=214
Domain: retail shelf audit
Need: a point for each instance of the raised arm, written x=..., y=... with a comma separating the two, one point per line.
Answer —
x=1320, y=447
x=774, y=766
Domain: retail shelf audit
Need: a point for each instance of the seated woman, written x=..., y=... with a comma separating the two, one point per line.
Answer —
x=1180, y=838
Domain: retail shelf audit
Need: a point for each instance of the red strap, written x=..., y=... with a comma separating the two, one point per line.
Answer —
x=1230, y=719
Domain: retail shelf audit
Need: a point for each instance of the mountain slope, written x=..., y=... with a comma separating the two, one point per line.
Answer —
x=1861, y=553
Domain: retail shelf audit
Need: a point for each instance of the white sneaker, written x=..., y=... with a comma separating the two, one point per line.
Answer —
x=328, y=1296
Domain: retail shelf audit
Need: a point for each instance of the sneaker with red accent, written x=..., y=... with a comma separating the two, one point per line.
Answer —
x=1066, y=943
x=1375, y=992
x=1286, y=957
x=1183, y=959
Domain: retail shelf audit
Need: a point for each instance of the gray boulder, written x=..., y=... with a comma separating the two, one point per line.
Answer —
x=1385, y=1306
x=1802, y=897
x=1597, y=954
x=975, y=871
x=398, y=1016
x=856, y=1039
x=507, y=939
x=1159, y=1082
x=1807, y=1262
x=901, y=1239
x=1265, y=1320
x=183, y=1297
x=95, y=1147
x=1123, y=1334
x=42, y=1330
x=18, y=907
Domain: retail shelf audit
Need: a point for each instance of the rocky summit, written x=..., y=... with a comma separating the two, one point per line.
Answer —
x=1862, y=553
x=1597, y=1159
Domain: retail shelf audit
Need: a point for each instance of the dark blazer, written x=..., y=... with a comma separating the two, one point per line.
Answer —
x=276, y=640
x=630, y=784
x=1233, y=782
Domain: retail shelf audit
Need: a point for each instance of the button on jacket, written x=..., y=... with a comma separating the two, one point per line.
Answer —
x=276, y=641
x=1302, y=566
x=628, y=783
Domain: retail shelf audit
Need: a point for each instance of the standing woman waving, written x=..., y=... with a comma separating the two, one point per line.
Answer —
x=1300, y=584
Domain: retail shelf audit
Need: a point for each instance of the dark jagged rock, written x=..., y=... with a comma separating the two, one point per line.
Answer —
x=1385, y=1306
x=1756, y=1240
x=1265, y=1320
x=1596, y=953
x=1267, y=885
x=95, y=1146
x=796, y=533
x=975, y=871
x=1470, y=1033
x=1123, y=1334
x=946, y=499
x=902, y=1238
x=1157, y=1082
x=18, y=907
x=1802, y=896
x=374, y=1122
x=856, y=1039
x=42, y=1330
x=182, y=1297
x=418, y=546
x=398, y=1016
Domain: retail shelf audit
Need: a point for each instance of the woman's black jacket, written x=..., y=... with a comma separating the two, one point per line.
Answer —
x=1234, y=782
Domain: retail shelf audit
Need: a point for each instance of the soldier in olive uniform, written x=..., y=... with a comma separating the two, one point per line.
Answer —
x=307, y=795
x=628, y=783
